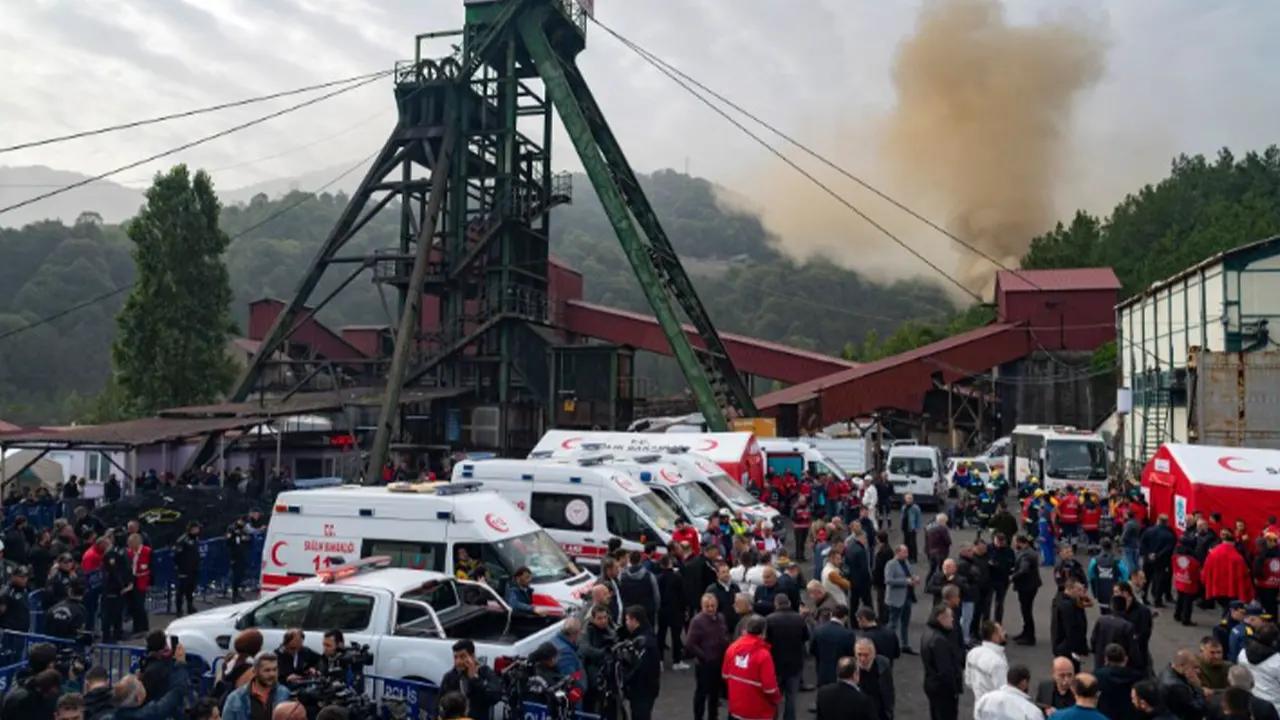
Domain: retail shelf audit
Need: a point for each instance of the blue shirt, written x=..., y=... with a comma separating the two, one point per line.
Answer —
x=1075, y=712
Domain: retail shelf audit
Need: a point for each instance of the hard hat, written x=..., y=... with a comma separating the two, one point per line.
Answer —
x=1039, y=492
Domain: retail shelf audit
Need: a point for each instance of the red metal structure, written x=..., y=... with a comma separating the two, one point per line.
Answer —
x=1037, y=311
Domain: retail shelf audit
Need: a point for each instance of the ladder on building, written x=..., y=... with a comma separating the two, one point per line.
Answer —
x=1156, y=414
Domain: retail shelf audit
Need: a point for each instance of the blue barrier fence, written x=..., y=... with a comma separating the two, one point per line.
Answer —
x=39, y=515
x=413, y=700
x=214, y=580
x=118, y=660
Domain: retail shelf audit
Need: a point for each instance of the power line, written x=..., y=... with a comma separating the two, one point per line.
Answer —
x=193, y=143
x=795, y=166
x=670, y=69
x=188, y=113
x=116, y=291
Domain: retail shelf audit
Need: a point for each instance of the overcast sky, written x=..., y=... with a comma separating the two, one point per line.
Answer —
x=1180, y=76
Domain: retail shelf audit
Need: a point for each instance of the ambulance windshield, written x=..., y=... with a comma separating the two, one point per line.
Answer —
x=663, y=517
x=539, y=553
x=732, y=491
x=697, y=500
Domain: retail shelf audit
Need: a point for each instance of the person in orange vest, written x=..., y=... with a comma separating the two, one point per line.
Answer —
x=749, y=674
x=1091, y=519
x=1186, y=578
x=1069, y=514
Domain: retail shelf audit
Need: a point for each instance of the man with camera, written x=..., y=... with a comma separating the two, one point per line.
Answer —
x=643, y=681
x=477, y=682
x=331, y=648
x=296, y=660
x=260, y=696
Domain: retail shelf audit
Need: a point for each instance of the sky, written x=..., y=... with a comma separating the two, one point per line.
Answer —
x=1176, y=76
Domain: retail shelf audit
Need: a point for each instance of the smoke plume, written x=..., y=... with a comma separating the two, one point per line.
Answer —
x=978, y=140
x=983, y=122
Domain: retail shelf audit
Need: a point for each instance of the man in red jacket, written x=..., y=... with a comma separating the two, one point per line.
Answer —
x=1225, y=575
x=749, y=675
x=685, y=533
x=140, y=560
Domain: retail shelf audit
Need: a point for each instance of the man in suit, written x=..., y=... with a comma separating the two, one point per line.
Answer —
x=842, y=700
x=787, y=634
x=831, y=641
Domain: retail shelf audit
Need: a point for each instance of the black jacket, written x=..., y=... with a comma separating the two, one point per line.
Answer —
x=117, y=571
x=943, y=662
x=877, y=684
x=65, y=619
x=671, y=595
x=1068, y=628
x=186, y=555
x=97, y=703
x=16, y=614
x=697, y=574
x=1181, y=698
x=763, y=602
x=638, y=586
x=645, y=678
x=724, y=603
x=884, y=554
x=482, y=693
x=1047, y=696
x=1114, y=684
x=296, y=664
x=857, y=567
x=842, y=701
x=787, y=634
x=1157, y=542
x=25, y=702
x=937, y=582
x=1026, y=571
x=1111, y=629
x=1002, y=561
x=831, y=641
x=885, y=640
x=55, y=589
x=1140, y=616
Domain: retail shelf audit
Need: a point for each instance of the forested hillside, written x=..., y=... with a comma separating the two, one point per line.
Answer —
x=46, y=374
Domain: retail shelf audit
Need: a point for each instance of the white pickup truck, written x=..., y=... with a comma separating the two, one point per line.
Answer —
x=408, y=618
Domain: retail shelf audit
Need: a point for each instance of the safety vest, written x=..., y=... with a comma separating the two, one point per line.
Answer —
x=1090, y=518
x=1270, y=576
x=1186, y=573
x=1069, y=510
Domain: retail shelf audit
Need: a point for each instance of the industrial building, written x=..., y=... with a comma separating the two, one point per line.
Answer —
x=1198, y=362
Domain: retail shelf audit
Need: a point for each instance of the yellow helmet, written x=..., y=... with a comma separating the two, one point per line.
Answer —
x=1039, y=492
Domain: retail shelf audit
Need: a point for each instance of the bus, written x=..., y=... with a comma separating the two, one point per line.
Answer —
x=1059, y=456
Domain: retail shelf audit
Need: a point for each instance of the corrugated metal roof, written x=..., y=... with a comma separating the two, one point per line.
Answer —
x=1203, y=264
x=309, y=402
x=1101, y=278
x=130, y=433
x=809, y=390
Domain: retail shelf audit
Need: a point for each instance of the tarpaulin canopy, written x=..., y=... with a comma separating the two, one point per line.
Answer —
x=1239, y=483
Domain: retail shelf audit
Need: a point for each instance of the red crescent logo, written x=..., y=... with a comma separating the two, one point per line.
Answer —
x=496, y=523
x=1226, y=461
x=275, y=553
x=624, y=483
x=1183, y=561
x=570, y=443
x=669, y=476
x=708, y=444
x=1274, y=565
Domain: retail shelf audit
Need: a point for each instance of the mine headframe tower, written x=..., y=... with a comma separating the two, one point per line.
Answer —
x=469, y=167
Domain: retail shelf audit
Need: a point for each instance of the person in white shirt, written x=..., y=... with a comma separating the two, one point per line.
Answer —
x=1009, y=701
x=870, y=496
x=833, y=581
x=985, y=667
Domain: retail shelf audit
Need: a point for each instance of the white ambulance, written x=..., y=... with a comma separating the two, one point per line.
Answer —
x=694, y=483
x=423, y=526
x=580, y=503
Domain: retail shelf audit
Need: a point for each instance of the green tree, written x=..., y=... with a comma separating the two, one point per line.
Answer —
x=173, y=331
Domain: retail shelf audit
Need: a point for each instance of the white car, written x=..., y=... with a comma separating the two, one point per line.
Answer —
x=408, y=618
x=975, y=465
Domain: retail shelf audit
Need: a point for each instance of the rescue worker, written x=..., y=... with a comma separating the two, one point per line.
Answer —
x=1047, y=541
x=1266, y=572
x=1090, y=520
x=801, y=519
x=1225, y=575
x=1069, y=514
x=986, y=506
x=1105, y=571
x=1186, y=578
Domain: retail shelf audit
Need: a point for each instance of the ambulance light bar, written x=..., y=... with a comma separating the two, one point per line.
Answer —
x=647, y=458
x=342, y=572
x=441, y=488
x=589, y=460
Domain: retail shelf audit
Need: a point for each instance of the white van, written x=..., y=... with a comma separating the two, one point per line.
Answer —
x=727, y=492
x=420, y=526
x=782, y=455
x=918, y=469
x=580, y=503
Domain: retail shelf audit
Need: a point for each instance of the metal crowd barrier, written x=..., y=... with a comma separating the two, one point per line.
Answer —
x=119, y=660
x=411, y=700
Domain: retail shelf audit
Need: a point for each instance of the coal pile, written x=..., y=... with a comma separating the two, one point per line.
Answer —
x=164, y=515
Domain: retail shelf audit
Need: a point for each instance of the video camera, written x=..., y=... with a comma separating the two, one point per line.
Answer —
x=73, y=660
x=522, y=682
x=342, y=684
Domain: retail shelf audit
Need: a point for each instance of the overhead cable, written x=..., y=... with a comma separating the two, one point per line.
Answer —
x=188, y=113
x=193, y=143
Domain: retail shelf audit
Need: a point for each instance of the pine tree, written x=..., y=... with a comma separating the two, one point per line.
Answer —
x=174, y=327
